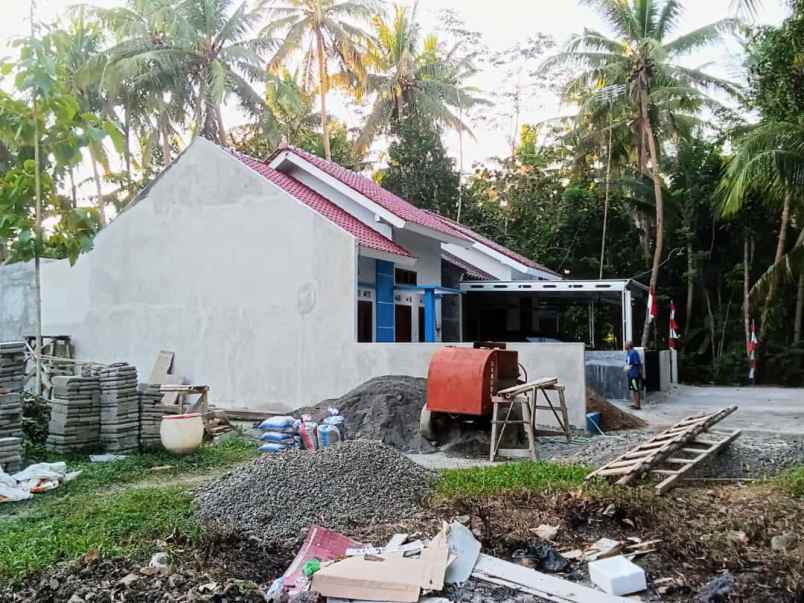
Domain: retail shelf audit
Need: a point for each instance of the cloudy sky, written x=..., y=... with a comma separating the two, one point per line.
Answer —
x=502, y=23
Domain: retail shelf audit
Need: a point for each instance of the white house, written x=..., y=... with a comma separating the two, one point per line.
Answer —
x=278, y=282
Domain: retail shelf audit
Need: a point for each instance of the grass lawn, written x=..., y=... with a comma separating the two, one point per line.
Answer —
x=509, y=478
x=114, y=508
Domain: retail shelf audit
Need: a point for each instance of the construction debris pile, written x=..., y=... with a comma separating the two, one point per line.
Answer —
x=74, y=414
x=275, y=498
x=151, y=413
x=12, y=377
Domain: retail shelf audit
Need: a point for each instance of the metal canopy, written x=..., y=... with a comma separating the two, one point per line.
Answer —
x=578, y=291
x=583, y=286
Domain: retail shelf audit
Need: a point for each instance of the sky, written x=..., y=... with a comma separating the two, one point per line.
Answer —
x=503, y=23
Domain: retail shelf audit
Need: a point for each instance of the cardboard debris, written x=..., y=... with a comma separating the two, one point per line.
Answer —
x=545, y=532
x=391, y=577
x=320, y=543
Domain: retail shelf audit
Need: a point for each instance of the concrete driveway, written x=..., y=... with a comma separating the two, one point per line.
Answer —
x=763, y=409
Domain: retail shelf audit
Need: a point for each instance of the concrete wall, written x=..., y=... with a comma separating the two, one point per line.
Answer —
x=604, y=372
x=251, y=289
x=16, y=301
x=363, y=361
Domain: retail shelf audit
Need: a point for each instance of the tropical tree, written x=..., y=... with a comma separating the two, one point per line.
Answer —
x=194, y=53
x=410, y=76
x=643, y=58
x=322, y=31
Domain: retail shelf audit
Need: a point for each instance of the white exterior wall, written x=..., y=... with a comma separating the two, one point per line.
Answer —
x=251, y=289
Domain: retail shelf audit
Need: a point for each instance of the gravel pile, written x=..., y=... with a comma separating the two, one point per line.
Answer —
x=277, y=497
x=385, y=408
x=755, y=455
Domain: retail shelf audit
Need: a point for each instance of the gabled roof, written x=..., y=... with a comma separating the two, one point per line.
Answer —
x=468, y=232
x=374, y=192
x=471, y=271
x=366, y=236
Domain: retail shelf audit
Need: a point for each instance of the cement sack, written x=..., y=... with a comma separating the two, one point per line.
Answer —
x=328, y=435
x=277, y=437
x=283, y=424
x=309, y=435
x=273, y=447
x=338, y=421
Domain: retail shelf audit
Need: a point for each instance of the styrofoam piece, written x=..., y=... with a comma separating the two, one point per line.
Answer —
x=466, y=549
x=617, y=575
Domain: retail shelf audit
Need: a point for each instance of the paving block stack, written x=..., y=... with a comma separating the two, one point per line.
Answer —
x=12, y=379
x=119, y=408
x=150, y=415
x=74, y=414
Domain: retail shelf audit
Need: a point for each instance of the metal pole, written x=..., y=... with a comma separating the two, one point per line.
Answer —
x=606, y=202
x=37, y=228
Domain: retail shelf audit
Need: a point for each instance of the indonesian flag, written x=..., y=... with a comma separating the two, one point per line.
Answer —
x=752, y=348
x=673, y=326
x=651, y=304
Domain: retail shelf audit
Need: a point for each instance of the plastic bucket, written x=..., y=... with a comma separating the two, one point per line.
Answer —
x=182, y=434
x=593, y=422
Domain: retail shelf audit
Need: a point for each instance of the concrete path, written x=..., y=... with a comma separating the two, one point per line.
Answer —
x=761, y=409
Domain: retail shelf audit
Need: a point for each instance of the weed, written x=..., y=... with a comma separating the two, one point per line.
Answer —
x=792, y=481
x=122, y=523
x=509, y=478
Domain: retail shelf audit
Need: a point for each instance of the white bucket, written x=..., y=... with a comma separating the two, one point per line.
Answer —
x=182, y=434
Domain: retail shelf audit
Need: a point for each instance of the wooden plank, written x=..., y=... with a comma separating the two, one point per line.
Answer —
x=552, y=588
x=524, y=387
x=680, y=461
x=670, y=481
x=664, y=471
x=162, y=367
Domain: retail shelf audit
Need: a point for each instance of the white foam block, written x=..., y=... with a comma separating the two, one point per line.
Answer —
x=617, y=575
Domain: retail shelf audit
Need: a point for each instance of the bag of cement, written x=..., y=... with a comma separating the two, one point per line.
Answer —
x=277, y=437
x=283, y=424
x=328, y=435
x=337, y=421
x=272, y=447
x=308, y=434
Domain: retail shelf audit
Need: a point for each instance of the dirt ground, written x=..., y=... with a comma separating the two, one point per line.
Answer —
x=703, y=531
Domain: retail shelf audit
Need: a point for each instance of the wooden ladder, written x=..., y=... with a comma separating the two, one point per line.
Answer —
x=672, y=453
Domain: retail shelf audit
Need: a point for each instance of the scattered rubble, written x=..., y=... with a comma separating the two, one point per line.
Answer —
x=277, y=497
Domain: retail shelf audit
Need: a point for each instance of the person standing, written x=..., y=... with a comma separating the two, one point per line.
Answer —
x=633, y=366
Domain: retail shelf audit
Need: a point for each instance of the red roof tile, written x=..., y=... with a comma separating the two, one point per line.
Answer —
x=365, y=235
x=465, y=230
x=373, y=191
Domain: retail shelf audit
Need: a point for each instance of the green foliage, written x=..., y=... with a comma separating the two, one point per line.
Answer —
x=111, y=523
x=509, y=478
x=792, y=481
x=419, y=168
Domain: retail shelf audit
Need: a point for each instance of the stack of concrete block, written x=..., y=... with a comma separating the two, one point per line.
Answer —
x=12, y=379
x=119, y=408
x=150, y=415
x=74, y=414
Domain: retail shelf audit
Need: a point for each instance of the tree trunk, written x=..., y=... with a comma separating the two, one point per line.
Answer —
x=37, y=246
x=127, y=150
x=780, y=244
x=605, y=204
x=746, y=293
x=199, y=108
x=222, y=138
x=323, y=81
x=799, y=309
x=73, y=192
x=98, y=190
x=690, y=288
x=657, y=189
x=167, y=152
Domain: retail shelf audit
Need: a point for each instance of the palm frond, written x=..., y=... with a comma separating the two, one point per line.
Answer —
x=701, y=37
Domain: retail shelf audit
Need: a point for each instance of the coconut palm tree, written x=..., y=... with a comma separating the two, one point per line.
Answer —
x=407, y=75
x=195, y=52
x=322, y=31
x=769, y=160
x=643, y=57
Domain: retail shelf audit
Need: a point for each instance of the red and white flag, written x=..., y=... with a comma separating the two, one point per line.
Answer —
x=673, y=327
x=651, y=304
x=752, y=349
